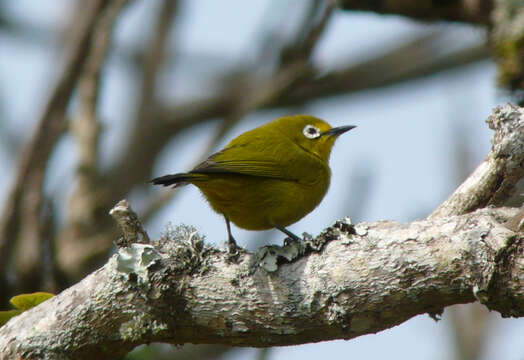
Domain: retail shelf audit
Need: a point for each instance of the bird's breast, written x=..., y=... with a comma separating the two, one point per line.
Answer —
x=258, y=203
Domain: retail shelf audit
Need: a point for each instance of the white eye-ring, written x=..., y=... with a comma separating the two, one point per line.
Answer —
x=311, y=132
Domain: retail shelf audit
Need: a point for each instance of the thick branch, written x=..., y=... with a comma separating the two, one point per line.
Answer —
x=365, y=279
x=495, y=178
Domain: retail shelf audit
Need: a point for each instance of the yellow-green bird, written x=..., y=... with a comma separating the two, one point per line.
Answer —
x=268, y=177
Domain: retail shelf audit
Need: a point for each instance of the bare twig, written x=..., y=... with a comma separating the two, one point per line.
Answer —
x=130, y=226
x=155, y=57
x=309, y=33
x=394, y=67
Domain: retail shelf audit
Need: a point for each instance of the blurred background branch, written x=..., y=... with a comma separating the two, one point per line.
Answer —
x=20, y=224
x=470, y=11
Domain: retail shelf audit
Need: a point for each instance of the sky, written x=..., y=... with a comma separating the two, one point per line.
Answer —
x=404, y=146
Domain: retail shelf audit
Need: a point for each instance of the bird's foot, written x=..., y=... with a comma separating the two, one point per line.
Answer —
x=293, y=239
x=233, y=250
x=307, y=236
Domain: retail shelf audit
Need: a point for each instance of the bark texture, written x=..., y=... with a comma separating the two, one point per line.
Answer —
x=494, y=180
x=366, y=278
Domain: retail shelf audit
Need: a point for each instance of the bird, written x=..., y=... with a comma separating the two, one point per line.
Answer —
x=268, y=177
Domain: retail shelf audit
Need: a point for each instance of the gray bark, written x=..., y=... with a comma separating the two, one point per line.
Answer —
x=349, y=281
x=367, y=278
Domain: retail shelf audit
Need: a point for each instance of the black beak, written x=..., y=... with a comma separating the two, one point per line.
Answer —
x=338, y=130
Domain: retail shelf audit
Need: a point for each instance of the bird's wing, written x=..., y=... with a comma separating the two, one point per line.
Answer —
x=257, y=158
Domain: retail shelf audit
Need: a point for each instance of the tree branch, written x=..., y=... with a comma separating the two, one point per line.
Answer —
x=472, y=11
x=85, y=125
x=367, y=278
x=85, y=202
x=502, y=17
x=494, y=179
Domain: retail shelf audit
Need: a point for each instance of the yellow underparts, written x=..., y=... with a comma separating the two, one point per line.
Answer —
x=260, y=203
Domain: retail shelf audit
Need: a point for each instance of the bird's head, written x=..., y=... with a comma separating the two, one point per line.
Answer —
x=312, y=134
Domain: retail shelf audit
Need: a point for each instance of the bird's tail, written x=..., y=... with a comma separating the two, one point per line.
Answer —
x=175, y=179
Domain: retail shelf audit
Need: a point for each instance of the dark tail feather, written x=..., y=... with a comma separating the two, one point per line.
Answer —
x=175, y=180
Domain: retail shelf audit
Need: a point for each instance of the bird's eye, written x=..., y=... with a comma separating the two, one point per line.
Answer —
x=311, y=132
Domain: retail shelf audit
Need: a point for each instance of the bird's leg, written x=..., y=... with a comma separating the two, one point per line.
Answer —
x=232, y=246
x=287, y=232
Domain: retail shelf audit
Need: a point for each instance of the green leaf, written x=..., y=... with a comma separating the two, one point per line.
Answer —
x=6, y=315
x=28, y=301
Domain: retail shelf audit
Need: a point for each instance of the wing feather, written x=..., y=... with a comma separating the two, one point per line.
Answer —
x=256, y=157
